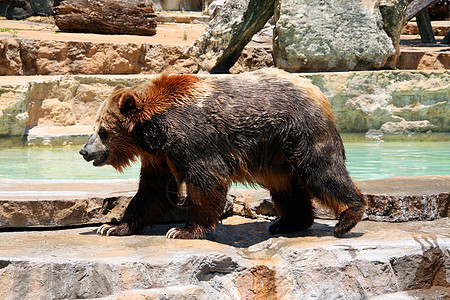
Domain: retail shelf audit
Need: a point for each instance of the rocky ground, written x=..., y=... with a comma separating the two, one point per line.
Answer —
x=238, y=260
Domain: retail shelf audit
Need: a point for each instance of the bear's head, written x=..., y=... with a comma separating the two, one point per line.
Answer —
x=113, y=141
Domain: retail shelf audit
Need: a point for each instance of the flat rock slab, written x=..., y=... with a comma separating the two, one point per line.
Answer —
x=406, y=186
x=240, y=260
x=38, y=190
x=37, y=203
x=50, y=203
x=402, y=199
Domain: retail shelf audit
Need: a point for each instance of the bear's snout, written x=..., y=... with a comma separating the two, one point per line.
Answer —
x=88, y=156
x=84, y=153
x=100, y=158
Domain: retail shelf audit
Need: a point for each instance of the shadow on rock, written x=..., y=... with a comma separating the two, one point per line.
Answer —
x=248, y=234
x=244, y=234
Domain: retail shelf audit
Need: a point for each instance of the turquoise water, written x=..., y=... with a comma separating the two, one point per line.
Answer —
x=365, y=160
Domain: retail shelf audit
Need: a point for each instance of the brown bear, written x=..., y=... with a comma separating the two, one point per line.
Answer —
x=268, y=127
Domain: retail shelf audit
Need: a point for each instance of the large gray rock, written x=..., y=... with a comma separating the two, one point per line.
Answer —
x=334, y=35
x=219, y=46
x=19, y=9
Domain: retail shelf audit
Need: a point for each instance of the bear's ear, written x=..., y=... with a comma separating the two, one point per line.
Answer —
x=128, y=106
x=119, y=87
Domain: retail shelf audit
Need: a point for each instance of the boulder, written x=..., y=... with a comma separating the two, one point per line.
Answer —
x=3, y=7
x=42, y=7
x=21, y=9
x=219, y=46
x=319, y=35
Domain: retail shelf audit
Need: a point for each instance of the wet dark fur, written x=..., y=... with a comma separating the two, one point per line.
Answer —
x=257, y=129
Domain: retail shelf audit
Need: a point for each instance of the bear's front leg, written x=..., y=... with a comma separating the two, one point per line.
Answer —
x=156, y=196
x=146, y=207
x=204, y=210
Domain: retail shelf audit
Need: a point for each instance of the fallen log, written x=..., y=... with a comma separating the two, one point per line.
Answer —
x=106, y=16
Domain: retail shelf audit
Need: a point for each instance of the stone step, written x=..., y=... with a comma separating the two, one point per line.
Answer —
x=56, y=203
x=440, y=28
x=415, y=55
x=182, y=17
x=240, y=260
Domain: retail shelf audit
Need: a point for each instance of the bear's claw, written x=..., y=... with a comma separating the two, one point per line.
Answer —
x=108, y=230
x=105, y=229
x=190, y=232
x=173, y=233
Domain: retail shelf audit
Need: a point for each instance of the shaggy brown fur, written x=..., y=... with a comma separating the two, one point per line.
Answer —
x=268, y=128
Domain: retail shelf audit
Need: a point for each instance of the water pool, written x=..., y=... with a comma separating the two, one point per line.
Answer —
x=365, y=160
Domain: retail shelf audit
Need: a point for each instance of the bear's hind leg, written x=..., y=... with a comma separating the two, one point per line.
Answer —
x=294, y=208
x=204, y=210
x=335, y=189
x=348, y=219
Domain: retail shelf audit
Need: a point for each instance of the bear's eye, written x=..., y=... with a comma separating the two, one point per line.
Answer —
x=103, y=133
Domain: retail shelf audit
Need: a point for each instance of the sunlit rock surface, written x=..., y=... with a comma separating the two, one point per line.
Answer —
x=240, y=260
x=13, y=109
x=388, y=102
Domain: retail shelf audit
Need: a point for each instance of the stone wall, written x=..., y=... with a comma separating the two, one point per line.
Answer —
x=22, y=56
x=371, y=102
x=388, y=102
